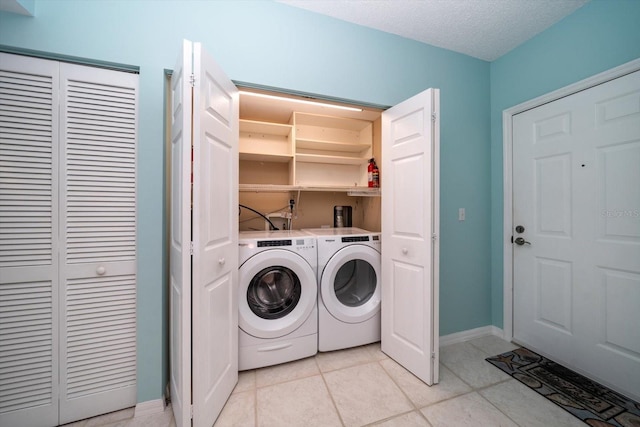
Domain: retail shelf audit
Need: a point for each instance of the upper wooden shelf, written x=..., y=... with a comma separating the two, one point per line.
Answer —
x=265, y=127
x=314, y=144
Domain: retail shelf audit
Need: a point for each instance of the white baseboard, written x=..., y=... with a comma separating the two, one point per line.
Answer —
x=149, y=407
x=470, y=334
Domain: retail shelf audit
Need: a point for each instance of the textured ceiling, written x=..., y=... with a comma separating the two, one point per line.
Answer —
x=484, y=29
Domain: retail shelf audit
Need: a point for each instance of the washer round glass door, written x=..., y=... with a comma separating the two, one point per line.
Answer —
x=278, y=292
x=274, y=292
x=350, y=284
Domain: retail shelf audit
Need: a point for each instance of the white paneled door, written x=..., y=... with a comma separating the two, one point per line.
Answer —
x=410, y=224
x=180, y=238
x=67, y=241
x=576, y=197
x=215, y=238
x=204, y=302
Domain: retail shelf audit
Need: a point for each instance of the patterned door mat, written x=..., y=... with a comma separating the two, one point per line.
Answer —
x=596, y=405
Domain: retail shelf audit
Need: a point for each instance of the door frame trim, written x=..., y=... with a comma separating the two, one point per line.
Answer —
x=507, y=156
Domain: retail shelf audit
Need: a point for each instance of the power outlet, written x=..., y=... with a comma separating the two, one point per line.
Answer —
x=461, y=214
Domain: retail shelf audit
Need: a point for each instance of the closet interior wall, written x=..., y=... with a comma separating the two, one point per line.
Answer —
x=315, y=156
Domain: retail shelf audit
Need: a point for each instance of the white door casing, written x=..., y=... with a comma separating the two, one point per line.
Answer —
x=577, y=284
x=410, y=227
x=215, y=238
x=180, y=238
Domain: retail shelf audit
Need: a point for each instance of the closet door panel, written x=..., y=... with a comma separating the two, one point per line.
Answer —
x=28, y=241
x=98, y=270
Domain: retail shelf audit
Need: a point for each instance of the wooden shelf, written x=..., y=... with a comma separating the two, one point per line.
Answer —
x=265, y=127
x=323, y=153
x=265, y=142
x=334, y=160
x=313, y=144
x=272, y=158
x=268, y=188
x=322, y=121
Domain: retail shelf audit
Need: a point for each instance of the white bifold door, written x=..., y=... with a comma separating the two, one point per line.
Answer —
x=67, y=241
x=410, y=227
x=204, y=238
x=576, y=213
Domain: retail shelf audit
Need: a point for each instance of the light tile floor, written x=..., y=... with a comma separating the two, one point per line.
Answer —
x=362, y=386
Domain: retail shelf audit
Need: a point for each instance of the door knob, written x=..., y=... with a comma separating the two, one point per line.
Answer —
x=101, y=270
x=221, y=261
x=520, y=241
x=405, y=251
x=519, y=229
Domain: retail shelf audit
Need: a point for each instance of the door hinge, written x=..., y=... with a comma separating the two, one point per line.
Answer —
x=433, y=356
x=191, y=411
x=192, y=80
x=190, y=248
x=434, y=237
x=433, y=117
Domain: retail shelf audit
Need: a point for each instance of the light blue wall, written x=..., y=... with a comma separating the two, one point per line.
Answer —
x=599, y=36
x=276, y=45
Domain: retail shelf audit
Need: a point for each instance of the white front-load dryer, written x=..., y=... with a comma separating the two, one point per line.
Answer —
x=348, y=287
x=277, y=313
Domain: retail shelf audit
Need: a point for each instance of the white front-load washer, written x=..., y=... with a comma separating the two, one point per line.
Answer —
x=348, y=287
x=277, y=315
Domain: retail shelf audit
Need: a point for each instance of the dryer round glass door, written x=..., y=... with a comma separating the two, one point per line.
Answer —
x=355, y=283
x=278, y=291
x=350, y=284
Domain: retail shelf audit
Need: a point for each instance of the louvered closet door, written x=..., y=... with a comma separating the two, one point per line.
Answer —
x=98, y=234
x=28, y=239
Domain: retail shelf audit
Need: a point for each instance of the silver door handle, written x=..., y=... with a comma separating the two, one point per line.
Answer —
x=520, y=241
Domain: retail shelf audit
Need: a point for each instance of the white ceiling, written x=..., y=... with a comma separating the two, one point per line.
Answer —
x=484, y=29
x=14, y=6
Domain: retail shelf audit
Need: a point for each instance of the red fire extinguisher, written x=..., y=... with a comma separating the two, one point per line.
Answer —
x=376, y=175
x=370, y=172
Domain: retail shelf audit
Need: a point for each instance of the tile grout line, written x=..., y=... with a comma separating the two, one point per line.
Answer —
x=477, y=390
x=255, y=398
x=415, y=407
x=333, y=402
x=499, y=410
